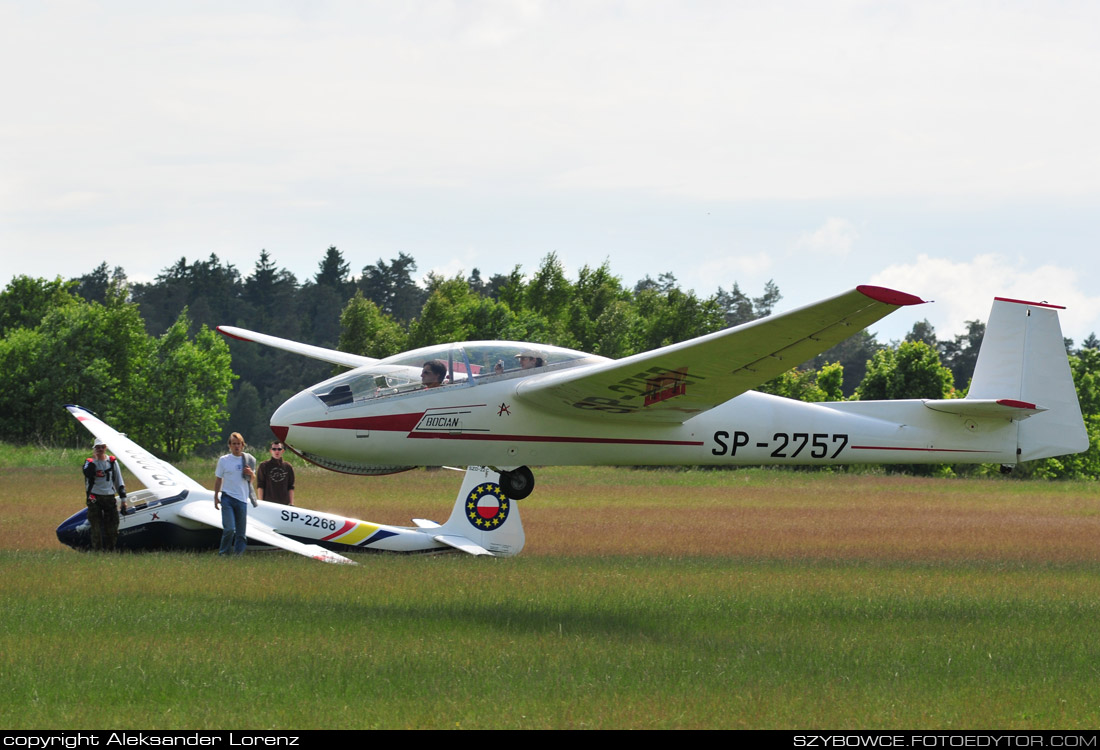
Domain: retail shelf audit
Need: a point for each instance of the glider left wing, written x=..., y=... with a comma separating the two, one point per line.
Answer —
x=204, y=512
x=676, y=382
x=151, y=471
x=333, y=356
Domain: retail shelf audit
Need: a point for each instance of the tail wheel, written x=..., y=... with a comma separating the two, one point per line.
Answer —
x=517, y=483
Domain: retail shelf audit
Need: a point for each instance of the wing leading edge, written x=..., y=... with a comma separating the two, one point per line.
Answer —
x=150, y=470
x=676, y=382
x=314, y=352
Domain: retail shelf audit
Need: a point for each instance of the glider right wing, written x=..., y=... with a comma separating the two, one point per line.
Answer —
x=204, y=512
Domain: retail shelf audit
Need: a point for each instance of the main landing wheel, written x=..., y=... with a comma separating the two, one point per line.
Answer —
x=517, y=483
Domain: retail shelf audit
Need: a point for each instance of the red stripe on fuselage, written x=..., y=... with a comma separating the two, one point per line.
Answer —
x=927, y=450
x=348, y=525
x=546, y=438
x=407, y=422
x=387, y=423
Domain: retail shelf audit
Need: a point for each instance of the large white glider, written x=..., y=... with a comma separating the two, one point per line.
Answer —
x=176, y=512
x=688, y=403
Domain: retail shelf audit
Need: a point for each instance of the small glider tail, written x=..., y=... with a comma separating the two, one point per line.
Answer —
x=1023, y=359
x=483, y=514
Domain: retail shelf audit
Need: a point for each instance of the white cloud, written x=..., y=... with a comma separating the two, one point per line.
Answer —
x=707, y=274
x=141, y=132
x=964, y=290
x=834, y=238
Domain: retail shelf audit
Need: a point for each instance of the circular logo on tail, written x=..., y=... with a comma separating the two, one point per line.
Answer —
x=487, y=506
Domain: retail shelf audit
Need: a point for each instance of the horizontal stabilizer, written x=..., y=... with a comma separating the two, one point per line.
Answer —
x=985, y=407
x=462, y=543
x=424, y=523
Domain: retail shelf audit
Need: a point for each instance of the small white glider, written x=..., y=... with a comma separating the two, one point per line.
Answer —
x=176, y=512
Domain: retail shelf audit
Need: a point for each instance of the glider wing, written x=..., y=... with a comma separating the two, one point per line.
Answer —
x=676, y=382
x=151, y=471
x=204, y=512
x=315, y=352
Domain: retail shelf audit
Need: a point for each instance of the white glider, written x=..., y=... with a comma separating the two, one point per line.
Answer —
x=176, y=512
x=688, y=403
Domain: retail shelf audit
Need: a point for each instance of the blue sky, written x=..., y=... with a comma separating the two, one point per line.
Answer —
x=943, y=148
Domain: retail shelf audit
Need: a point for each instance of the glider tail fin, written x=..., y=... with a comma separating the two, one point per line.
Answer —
x=483, y=515
x=1023, y=359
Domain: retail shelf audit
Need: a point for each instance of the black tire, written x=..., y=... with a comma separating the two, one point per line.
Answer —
x=518, y=483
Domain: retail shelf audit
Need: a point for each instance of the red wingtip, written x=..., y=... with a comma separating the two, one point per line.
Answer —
x=1014, y=403
x=1033, y=304
x=889, y=296
x=229, y=335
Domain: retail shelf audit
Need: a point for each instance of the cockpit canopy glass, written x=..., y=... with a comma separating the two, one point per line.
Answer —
x=467, y=364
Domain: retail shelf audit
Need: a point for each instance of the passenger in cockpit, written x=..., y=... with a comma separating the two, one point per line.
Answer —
x=530, y=359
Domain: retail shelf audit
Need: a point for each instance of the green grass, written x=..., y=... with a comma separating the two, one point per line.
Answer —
x=272, y=641
x=645, y=599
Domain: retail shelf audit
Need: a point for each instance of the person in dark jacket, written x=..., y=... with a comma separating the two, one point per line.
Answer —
x=102, y=479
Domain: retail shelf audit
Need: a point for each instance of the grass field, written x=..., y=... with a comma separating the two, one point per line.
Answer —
x=645, y=599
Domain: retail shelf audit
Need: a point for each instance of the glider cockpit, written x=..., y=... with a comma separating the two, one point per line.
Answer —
x=468, y=363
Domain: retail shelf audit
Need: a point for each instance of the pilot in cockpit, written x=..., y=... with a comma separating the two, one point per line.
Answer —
x=433, y=374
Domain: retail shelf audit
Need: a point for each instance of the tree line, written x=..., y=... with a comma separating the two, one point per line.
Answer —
x=145, y=357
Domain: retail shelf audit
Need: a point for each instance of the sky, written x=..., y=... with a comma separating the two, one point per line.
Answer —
x=947, y=149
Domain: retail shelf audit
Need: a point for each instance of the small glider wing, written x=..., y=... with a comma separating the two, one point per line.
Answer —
x=461, y=543
x=151, y=471
x=315, y=352
x=203, y=511
x=676, y=382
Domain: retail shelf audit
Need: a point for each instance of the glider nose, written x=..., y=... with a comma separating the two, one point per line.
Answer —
x=75, y=530
x=299, y=409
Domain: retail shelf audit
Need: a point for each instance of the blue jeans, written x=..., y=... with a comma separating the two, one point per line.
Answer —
x=234, y=523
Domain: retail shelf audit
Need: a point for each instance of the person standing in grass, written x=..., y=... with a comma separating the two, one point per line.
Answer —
x=233, y=483
x=275, y=477
x=102, y=479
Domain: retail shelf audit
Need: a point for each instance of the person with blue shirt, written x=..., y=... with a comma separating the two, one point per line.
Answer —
x=233, y=483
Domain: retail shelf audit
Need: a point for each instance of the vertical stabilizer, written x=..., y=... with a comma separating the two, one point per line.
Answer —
x=1023, y=359
x=484, y=515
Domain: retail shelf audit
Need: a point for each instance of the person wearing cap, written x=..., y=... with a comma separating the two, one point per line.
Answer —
x=102, y=479
x=530, y=359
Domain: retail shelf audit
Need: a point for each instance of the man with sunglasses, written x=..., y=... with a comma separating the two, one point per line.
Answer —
x=275, y=477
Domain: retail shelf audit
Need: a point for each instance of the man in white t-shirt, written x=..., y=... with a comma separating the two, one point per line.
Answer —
x=232, y=491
